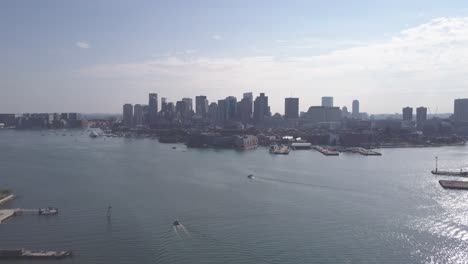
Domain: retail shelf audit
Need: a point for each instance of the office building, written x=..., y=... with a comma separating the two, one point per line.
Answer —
x=323, y=114
x=261, y=108
x=421, y=116
x=137, y=115
x=231, y=108
x=408, y=114
x=127, y=115
x=355, y=109
x=460, y=113
x=153, y=108
x=291, y=108
x=189, y=104
x=201, y=105
x=327, y=101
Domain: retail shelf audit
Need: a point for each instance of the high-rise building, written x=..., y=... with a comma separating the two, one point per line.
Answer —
x=460, y=112
x=163, y=105
x=137, y=115
x=261, y=108
x=201, y=105
x=153, y=108
x=291, y=108
x=222, y=109
x=127, y=115
x=408, y=114
x=231, y=108
x=323, y=114
x=181, y=109
x=213, y=112
x=421, y=115
x=189, y=104
x=327, y=101
x=355, y=109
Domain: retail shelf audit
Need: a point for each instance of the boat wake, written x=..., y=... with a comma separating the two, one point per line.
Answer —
x=180, y=230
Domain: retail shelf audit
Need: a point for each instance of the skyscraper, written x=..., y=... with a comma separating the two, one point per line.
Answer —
x=261, y=108
x=152, y=108
x=163, y=105
x=291, y=108
x=222, y=109
x=231, y=108
x=355, y=110
x=127, y=115
x=408, y=114
x=327, y=101
x=189, y=104
x=137, y=115
x=421, y=115
x=201, y=105
x=460, y=111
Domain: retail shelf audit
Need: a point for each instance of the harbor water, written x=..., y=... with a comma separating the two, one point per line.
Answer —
x=298, y=208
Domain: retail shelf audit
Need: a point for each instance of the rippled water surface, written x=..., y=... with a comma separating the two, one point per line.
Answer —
x=299, y=208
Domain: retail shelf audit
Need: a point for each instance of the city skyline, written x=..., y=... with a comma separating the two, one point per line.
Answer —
x=305, y=50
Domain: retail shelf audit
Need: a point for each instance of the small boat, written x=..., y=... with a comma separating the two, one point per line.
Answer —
x=93, y=134
x=48, y=211
x=176, y=223
x=174, y=147
x=250, y=176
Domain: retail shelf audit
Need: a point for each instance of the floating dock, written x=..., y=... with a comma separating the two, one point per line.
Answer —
x=450, y=173
x=33, y=254
x=326, y=151
x=457, y=185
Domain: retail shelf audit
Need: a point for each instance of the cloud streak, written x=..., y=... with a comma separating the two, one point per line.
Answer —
x=421, y=65
x=82, y=45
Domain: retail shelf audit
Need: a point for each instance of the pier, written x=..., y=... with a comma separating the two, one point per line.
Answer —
x=326, y=151
x=6, y=199
x=363, y=151
x=7, y=213
x=33, y=254
x=457, y=185
x=460, y=173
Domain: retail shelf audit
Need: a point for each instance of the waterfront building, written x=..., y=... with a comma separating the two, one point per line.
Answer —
x=291, y=108
x=127, y=115
x=137, y=115
x=355, y=109
x=460, y=113
x=327, y=101
x=201, y=105
x=421, y=116
x=408, y=114
x=261, y=108
x=8, y=120
x=152, y=108
x=345, y=112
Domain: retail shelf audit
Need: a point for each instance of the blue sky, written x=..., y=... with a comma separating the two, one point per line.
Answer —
x=93, y=56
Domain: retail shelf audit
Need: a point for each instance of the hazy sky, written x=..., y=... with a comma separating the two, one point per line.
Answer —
x=94, y=56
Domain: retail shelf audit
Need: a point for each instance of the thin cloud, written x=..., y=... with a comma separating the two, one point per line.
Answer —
x=83, y=45
x=216, y=37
